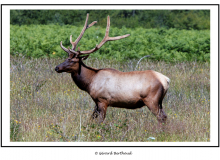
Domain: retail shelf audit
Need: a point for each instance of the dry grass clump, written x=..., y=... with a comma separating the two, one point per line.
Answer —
x=46, y=106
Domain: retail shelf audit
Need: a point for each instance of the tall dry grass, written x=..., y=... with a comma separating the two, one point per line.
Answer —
x=47, y=106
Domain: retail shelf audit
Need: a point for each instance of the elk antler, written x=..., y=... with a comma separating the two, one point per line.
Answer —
x=105, y=39
x=74, y=44
x=67, y=50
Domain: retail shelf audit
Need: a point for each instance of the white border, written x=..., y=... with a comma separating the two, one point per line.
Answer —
x=6, y=76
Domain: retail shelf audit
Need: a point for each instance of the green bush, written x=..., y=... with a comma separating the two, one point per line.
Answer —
x=162, y=44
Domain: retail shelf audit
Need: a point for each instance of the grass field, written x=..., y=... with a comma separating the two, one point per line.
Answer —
x=46, y=106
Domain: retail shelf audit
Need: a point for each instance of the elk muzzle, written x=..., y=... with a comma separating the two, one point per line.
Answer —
x=64, y=67
x=57, y=69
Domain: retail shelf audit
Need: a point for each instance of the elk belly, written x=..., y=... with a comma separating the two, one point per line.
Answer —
x=125, y=96
x=130, y=104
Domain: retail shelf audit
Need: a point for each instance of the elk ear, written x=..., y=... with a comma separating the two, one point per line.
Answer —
x=84, y=57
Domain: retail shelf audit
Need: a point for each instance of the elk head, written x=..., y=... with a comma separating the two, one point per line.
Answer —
x=72, y=63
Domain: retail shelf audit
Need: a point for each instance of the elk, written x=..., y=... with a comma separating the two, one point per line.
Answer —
x=110, y=87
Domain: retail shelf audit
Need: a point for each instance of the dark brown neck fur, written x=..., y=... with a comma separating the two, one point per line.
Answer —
x=84, y=76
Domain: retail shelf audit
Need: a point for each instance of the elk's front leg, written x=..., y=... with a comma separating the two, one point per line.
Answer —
x=102, y=108
x=100, y=111
x=95, y=113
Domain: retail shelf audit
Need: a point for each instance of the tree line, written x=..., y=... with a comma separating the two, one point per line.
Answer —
x=179, y=19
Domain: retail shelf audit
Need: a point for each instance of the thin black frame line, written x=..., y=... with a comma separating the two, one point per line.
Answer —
x=218, y=76
x=1, y=75
x=117, y=146
x=116, y=4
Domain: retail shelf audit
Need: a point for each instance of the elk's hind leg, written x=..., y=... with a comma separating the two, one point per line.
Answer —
x=154, y=103
x=156, y=109
x=161, y=117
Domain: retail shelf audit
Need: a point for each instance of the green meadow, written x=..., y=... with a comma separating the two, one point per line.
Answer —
x=48, y=107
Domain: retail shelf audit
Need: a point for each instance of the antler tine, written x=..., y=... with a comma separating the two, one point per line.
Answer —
x=91, y=24
x=74, y=44
x=105, y=39
x=65, y=49
x=107, y=27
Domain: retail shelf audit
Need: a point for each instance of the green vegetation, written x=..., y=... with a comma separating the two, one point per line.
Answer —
x=179, y=19
x=46, y=106
x=162, y=44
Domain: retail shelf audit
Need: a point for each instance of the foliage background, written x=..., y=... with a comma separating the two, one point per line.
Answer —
x=179, y=19
x=169, y=35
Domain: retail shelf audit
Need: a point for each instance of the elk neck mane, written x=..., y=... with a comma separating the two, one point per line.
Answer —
x=84, y=76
